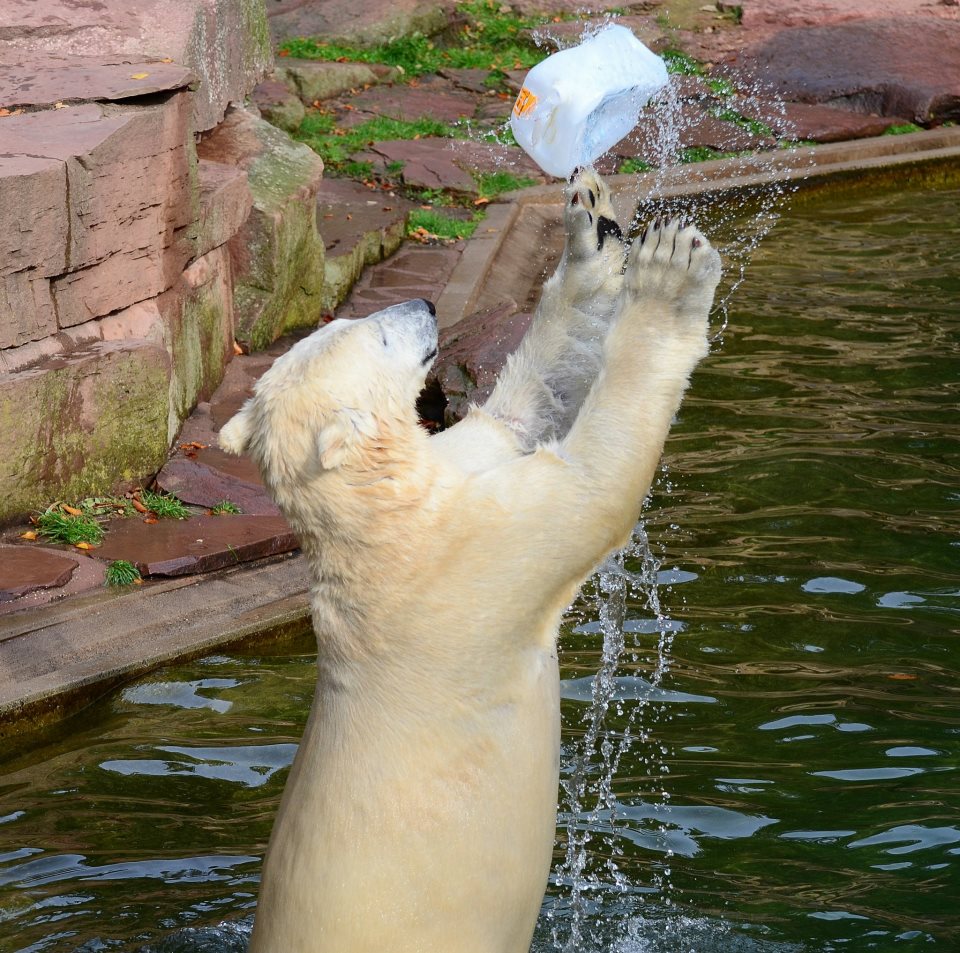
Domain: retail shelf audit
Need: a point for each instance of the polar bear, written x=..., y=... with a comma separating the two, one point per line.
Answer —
x=420, y=811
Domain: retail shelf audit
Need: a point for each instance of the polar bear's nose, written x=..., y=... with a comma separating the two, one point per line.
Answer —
x=431, y=307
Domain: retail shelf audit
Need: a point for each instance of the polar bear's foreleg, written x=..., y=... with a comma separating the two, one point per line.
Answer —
x=656, y=339
x=545, y=381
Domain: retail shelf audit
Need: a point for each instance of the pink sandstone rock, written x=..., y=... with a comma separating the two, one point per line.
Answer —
x=122, y=165
x=889, y=67
x=363, y=22
x=225, y=203
x=39, y=80
x=223, y=42
x=24, y=569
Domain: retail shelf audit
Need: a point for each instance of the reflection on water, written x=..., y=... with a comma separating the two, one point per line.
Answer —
x=798, y=789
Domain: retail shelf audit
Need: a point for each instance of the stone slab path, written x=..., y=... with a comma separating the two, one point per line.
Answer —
x=211, y=578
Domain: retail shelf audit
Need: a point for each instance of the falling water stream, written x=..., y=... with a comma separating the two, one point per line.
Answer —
x=761, y=729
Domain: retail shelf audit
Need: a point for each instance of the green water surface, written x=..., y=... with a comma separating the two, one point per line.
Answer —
x=806, y=734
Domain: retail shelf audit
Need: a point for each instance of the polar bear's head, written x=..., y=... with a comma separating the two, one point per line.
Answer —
x=335, y=397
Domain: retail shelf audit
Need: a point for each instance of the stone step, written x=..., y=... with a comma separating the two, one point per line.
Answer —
x=197, y=545
x=359, y=226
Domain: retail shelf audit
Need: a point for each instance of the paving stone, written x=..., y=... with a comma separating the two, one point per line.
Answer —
x=359, y=227
x=471, y=80
x=197, y=545
x=416, y=271
x=531, y=8
x=435, y=163
x=203, y=485
x=471, y=355
x=818, y=123
x=568, y=33
x=657, y=140
x=44, y=80
x=771, y=16
x=277, y=255
x=278, y=105
x=26, y=568
x=888, y=67
x=313, y=80
x=225, y=203
x=224, y=44
x=88, y=575
x=358, y=22
x=411, y=102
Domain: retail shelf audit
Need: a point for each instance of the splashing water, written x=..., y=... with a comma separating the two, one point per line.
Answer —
x=589, y=805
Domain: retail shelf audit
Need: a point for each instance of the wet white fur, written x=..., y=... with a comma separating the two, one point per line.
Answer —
x=419, y=815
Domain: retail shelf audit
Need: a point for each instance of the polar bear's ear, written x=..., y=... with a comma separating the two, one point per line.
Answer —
x=341, y=433
x=235, y=433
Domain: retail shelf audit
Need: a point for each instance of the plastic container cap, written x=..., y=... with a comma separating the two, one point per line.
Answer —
x=579, y=102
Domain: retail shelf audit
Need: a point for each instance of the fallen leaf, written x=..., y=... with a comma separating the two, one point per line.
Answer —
x=902, y=677
x=138, y=581
x=166, y=59
x=139, y=75
x=72, y=510
x=198, y=446
x=29, y=534
x=150, y=520
x=138, y=506
x=236, y=348
x=59, y=105
x=82, y=546
x=284, y=52
x=481, y=201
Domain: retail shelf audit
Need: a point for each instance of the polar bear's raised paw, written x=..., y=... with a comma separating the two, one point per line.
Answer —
x=589, y=217
x=675, y=266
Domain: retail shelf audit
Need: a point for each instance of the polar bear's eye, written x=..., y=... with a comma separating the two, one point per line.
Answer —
x=383, y=337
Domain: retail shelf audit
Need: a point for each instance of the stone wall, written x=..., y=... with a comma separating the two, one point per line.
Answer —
x=146, y=223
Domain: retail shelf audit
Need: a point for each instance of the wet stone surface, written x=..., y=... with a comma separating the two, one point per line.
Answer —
x=200, y=544
x=26, y=568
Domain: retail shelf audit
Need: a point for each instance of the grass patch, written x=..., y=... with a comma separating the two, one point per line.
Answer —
x=633, y=167
x=164, y=506
x=122, y=573
x=489, y=39
x=903, y=129
x=60, y=527
x=682, y=64
x=224, y=507
x=492, y=184
x=428, y=224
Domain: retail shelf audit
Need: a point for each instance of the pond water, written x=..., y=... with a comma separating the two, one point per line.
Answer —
x=791, y=783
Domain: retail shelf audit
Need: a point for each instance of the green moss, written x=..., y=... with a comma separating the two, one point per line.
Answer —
x=682, y=64
x=634, y=166
x=903, y=129
x=84, y=427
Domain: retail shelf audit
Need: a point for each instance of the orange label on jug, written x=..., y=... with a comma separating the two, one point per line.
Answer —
x=525, y=102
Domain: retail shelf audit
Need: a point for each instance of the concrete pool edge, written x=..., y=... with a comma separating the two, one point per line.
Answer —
x=57, y=659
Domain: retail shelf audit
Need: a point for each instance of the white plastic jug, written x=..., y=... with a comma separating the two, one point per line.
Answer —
x=579, y=102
